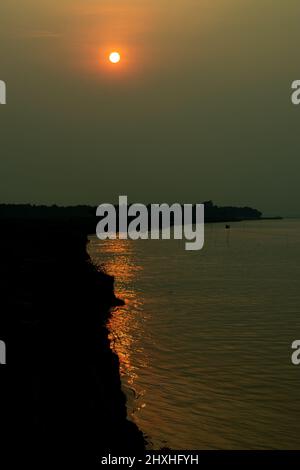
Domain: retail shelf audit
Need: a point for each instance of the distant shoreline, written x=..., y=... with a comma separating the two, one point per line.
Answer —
x=85, y=214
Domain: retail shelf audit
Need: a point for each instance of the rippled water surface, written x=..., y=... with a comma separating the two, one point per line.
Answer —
x=204, y=339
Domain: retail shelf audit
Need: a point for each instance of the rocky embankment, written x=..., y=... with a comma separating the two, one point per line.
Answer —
x=63, y=389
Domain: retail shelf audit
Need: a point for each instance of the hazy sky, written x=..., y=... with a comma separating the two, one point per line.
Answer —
x=199, y=108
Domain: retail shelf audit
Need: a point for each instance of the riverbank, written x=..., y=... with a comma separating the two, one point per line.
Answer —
x=64, y=395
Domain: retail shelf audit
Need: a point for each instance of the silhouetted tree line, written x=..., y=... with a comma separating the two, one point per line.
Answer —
x=213, y=213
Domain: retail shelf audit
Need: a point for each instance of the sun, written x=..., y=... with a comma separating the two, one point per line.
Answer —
x=114, y=57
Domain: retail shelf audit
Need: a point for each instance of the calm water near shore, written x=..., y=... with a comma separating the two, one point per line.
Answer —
x=204, y=339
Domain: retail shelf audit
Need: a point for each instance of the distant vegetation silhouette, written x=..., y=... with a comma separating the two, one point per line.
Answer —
x=213, y=213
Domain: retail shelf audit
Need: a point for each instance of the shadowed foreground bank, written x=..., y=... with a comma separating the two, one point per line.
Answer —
x=62, y=388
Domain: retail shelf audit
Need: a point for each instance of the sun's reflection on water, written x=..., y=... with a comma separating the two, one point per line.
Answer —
x=126, y=323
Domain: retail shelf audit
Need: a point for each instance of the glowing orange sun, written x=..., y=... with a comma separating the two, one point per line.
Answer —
x=114, y=57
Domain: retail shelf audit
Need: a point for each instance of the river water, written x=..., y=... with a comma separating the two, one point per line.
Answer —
x=204, y=338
